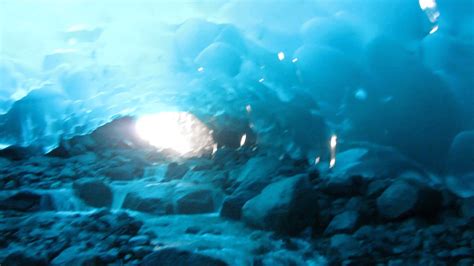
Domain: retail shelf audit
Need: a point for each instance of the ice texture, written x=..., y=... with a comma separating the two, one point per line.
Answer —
x=395, y=73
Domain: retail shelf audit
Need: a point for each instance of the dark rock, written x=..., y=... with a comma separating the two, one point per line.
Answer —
x=402, y=199
x=176, y=171
x=123, y=172
x=22, y=259
x=176, y=257
x=287, y=206
x=345, y=246
x=134, y=201
x=19, y=153
x=397, y=200
x=343, y=186
x=25, y=201
x=141, y=251
x=232, y=205
x=463, y=252
x=118, y=133
x=192, y=230
x=345, y=222
x=198, y=201
x=93, y=192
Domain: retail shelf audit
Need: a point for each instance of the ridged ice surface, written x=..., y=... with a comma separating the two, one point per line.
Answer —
x=395, y=73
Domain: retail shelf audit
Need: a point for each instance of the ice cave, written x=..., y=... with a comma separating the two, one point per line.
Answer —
x=237, y=132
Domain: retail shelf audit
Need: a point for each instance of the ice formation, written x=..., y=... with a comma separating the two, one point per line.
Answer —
x=288, y=74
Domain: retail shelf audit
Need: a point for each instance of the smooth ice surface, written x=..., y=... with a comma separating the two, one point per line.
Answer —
x=395, y=73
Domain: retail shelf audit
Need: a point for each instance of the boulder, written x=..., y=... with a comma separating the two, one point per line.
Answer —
x=153, y=205
x=403, y=198
x=176, y=257
x=197, y=201
x=232, y=205
x=345, y=222
x=123, y=172
x=286, y=206
x=93, y=192
x=175, y=171
x=26, y=201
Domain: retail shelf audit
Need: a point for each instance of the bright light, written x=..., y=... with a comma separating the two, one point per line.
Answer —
x=243, y=139
x=317, y=160
x=333, y=142
x=294, y=60
x=281, y=56
x=248, y=108
x=434, y=29
x=178, y=131
x=424, y=4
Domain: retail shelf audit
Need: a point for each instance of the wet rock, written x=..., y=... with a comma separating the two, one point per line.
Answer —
x=402, y=199
x=93, y=192
x=257, y=173
x=345, y=246
x=343, y=185
x=26, y=201
x=176, y=257
x=21, y=259
x=123, y=172
x=176, y=171
x=199, y=201
x=345, y=222
x=232, y=205
x=134, y=201
x=139, y=240
x=287, y=206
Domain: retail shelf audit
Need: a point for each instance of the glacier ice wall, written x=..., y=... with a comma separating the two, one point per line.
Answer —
x=397, y=73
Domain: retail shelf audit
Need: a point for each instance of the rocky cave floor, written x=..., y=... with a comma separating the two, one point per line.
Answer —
x=100, y=200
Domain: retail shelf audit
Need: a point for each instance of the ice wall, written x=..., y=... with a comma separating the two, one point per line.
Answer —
x=397, y=73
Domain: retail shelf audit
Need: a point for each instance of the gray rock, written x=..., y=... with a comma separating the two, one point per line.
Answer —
x=401, y=199
x=287, y=206
x=232, y=205
x=175, y=171
x=134, y=201
x=93, y=192
x=198, y=201
x=123, y=172
x=397, y=200
x=345, y=246
x=176, y=257
x=345, y=222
